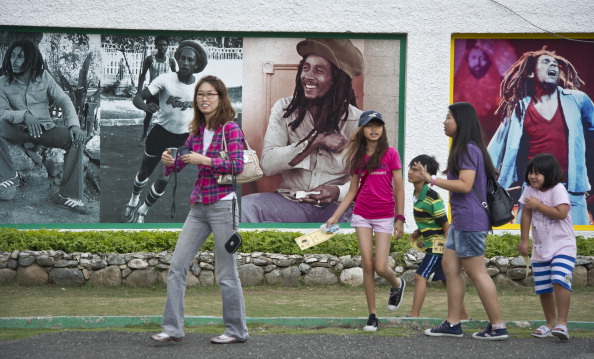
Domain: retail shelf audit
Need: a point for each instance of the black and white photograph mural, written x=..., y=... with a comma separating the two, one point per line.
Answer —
x=49, y=127
x=147, y=98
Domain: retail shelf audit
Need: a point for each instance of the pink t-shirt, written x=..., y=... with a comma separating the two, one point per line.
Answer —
x=550, y=237
x=376, y=197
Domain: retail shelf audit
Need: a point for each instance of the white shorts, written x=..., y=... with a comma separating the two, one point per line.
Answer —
x=380, y=225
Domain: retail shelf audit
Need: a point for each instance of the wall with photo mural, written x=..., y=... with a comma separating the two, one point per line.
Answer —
x=421, y=35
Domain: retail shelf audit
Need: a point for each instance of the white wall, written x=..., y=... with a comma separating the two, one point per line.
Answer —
x=429, y=25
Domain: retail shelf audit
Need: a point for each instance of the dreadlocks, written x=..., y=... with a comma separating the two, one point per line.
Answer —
x=33, y=59
x=334, y=106
x=516, y=84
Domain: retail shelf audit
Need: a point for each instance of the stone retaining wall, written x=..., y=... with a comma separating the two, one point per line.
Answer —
x=148, y=269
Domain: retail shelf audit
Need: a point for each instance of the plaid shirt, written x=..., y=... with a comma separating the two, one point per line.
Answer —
x=206, y=189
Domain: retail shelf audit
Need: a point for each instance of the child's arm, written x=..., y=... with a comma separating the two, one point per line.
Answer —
x=525, y=223
x=399, y=198
x=463, y=184
x=446, y=228
x=558, y=212
x=346, y=202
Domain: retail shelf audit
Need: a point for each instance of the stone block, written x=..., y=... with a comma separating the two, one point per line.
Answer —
x=289, y=276
x=66, y=277
x=108, y=277
x=31, y=275
x=320, y=276
x=352, y=276
x=142, y=278
x=251, y=274
x=580, y=276
x=7, y=276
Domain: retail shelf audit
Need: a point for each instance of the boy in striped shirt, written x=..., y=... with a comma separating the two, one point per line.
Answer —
x=432, y=223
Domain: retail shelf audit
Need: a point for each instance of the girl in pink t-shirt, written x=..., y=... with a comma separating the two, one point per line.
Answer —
x=378, y=192
x=546, y=207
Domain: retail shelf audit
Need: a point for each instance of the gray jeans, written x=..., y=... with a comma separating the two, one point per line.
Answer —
x=203, y=220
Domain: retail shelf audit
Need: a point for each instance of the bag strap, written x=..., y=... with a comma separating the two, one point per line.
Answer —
x=484, y=203
x=361, y=183
x=233, y=181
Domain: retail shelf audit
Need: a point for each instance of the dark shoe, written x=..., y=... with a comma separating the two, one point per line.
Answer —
x=164, y=338
x=445, y=329
x=372, y=323
x=128, y=214
x=396, y=296
x=72, y=204
x=225, y=339
x=491, y=334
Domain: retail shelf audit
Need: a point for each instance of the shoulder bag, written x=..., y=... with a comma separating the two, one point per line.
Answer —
x=251, y=165
x=499, y=204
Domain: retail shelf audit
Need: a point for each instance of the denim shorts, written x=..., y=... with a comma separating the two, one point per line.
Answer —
x=466, y=243
x=380, y=225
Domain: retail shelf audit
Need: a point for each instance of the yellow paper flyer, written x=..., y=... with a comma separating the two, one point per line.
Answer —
x=313, y=238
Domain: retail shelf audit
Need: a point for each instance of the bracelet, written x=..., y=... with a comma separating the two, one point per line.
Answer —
x=400, y=217
x=433, y=179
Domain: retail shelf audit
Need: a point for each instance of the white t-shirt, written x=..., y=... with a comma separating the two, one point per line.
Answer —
x=175, y=102
x=550, y=237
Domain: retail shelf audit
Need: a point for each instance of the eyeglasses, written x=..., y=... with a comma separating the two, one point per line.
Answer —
x=208, y=95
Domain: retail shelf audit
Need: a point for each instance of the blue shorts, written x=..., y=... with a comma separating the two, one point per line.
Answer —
x=431, y=264
x=466, y=243
x=559, y=270
x=381, y=225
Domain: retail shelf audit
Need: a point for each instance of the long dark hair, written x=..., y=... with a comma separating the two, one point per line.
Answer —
x=356, y=149
x=334, y=107
x=468, y=131
x=516, y=84
x=33, y=59
x=225, y=111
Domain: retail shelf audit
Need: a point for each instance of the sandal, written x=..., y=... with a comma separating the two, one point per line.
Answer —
x=561, y=332
x=542, y=332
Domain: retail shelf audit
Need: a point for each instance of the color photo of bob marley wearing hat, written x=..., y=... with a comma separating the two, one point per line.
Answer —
x=305, y=134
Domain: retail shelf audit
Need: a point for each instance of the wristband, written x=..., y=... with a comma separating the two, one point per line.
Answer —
x=400, y=217
x=433, y=179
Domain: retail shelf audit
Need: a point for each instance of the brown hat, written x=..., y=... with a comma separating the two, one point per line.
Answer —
x=201, y=57
x=341, y=52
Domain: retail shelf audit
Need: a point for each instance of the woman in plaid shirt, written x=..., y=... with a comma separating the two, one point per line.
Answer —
x=210, y=212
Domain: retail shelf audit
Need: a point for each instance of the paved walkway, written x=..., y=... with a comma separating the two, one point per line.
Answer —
x=118, y=344
x=115, y=344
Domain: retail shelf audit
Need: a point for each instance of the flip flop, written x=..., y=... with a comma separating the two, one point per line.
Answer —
x=561, y=332
x=542, y=332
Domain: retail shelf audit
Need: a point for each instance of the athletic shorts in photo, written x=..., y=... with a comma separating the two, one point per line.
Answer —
x=159, y=139
x=466, y=243
x=559, y=270
x=431, y=264
x=381, y=225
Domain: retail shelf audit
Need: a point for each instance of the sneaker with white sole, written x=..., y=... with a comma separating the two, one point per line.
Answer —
x=445, y=329
x=491, y=334
x=9, y=183
x=396, y=296
x=72, y=204
x=372, y=323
